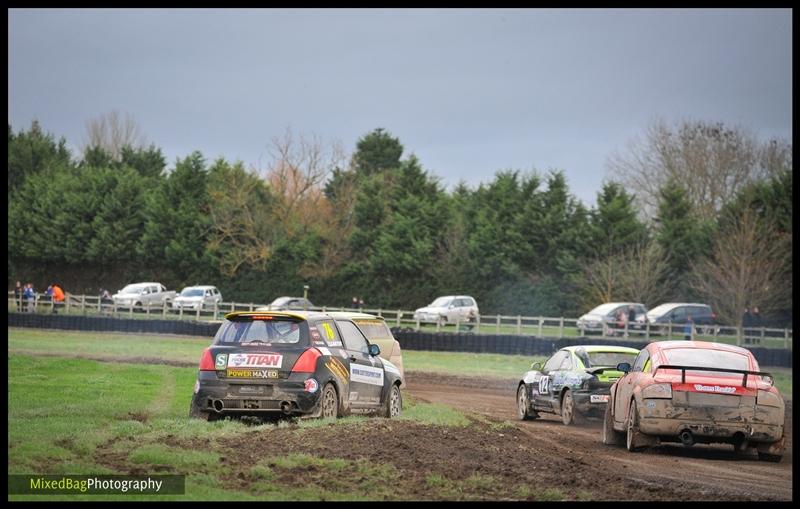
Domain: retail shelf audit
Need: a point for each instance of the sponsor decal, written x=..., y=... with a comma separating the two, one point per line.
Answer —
x=315, y=334
x=651, y=404
x=598, y=398
x=319, y=343
x=311, y=385
x=334, y=343
x=255, y=360
x=336, y=367
x=324, y=351
x=366, y=374
x=222, y=361
x=252, y=373
x=353, y=396
x=544, y=383
x=714, y=388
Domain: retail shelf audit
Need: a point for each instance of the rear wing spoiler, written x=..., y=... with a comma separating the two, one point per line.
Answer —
x=743, y=372
x=601, y=369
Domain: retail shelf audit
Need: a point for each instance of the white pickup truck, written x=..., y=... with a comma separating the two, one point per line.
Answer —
x=143, y=295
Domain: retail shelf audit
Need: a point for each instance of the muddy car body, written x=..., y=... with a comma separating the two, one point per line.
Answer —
x=293, y=364
x=573, y=383
x=696, y=392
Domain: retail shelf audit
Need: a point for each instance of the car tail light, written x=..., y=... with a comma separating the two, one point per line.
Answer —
x=657, y=391
x=207, y=360
x=307, y=363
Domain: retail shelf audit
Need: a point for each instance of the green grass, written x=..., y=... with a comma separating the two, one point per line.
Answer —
x=61, y=410
x=469, y=364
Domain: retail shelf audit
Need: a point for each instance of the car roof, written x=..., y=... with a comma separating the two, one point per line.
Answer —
x=199, y=286
x=602, y=348
x=354, y=315
x=699, y=345
x=303, y=315
x=676, y=304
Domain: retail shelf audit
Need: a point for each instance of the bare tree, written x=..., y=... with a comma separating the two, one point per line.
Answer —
x=634, y=275
x=750, y=264
x=711, y=160
x=296, y=175
x=112, y=132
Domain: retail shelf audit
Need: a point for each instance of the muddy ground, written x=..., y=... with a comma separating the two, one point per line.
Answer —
x=495, y=457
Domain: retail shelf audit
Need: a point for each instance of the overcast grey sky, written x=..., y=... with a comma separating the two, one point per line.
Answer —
x=468, y=91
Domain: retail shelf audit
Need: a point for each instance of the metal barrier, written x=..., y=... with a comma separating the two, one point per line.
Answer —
x=540, y=326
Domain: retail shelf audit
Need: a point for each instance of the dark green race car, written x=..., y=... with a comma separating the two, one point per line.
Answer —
x=574, y=382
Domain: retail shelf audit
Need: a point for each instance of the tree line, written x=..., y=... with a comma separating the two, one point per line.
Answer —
x=694, y=212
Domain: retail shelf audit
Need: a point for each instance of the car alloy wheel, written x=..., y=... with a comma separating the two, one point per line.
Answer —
x=633, y=435
x=395, y=402
x=522, y=402
x=330, y=402
x=567, y=409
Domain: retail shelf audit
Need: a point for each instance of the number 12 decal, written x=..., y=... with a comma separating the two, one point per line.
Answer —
x=543, y=384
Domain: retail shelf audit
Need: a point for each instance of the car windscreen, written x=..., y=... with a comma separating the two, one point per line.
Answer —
x=133, y=289
x=192, y=292
x=441, y=302
x=602, y=309
x=374, y=329
x=597, y=359
x=706, y=358
x=268, y=330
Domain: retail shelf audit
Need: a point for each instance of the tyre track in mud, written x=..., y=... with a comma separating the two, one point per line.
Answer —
x=704, y=470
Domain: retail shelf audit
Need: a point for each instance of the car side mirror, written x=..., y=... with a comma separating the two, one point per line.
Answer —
x=625, y=367
x=536, y=366
x=374, y=350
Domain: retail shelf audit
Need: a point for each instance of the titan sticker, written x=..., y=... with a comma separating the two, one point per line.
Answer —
x=255, y=360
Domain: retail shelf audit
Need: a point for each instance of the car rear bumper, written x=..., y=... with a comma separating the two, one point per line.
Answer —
x=712, y=424
x=286, y=397
x=591, y=403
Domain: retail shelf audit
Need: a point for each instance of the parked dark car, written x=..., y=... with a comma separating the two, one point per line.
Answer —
x=288, y=303
x=678, y=313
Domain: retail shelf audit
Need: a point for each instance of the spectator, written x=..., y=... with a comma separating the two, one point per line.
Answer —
x=58, y=297
x=30, y=297
x=18, y=295
x=688, y=330
x=361, y=304
x=747, y=322
x=355, y=302
x=48, y=294
x=756, y=323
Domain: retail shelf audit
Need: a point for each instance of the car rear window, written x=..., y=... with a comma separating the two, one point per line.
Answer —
x=597, y=359
x=263, y=330
x=707, y=358
x=374, y=329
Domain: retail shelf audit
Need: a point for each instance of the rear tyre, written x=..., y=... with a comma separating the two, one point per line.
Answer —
x=569, y=415
x=523, y=405
x=772, y=458
x=610, y=435
x=196, y=413
x=634, y=437
x=329, y=402
x=394, y=403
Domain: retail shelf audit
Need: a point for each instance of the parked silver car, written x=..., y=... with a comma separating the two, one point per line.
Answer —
x=606, y=313
x=448, y=309
x=143, y=295
x=197, y=297
x=287, y=303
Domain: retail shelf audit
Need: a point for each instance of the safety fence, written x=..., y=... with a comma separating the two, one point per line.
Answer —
x=508, y=344
x=539, y=326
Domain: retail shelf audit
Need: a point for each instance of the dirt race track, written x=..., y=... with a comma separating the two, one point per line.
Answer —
x=666, y=472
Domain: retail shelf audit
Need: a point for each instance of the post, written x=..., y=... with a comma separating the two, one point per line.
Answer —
x=164, y=309
x=477, y=323
x=197, y=315
x=215, y=310
x=458, y=322
x=541, y=322
x=519, y=324
x=647, y=330
x=180, y=312
x=561, y=327
x=323, y=309
x=399, y=314
x=738, y=336
x=498, y=324
x=83, y=304
x=762, y=335
x=380, y=310
x=786, y=338
x=417, y=324
x=233, y=306
x=67, y=299
x=605, y=329
x=626, y=329
x=438, y=324
x=251, y=306
x=669, y=331
x=130, y=311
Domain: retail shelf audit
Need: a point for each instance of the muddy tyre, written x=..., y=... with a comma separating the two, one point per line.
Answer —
x=329, y=402
x=569, y=415
x=523, y=405
x=196, y=413
x=772, y=458
x=634, y=438
x=394, y=403
x=610, y=435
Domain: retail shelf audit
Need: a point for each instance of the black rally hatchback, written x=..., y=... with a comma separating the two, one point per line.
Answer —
x=293, y=363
